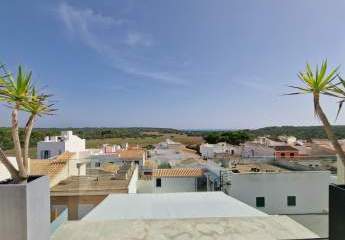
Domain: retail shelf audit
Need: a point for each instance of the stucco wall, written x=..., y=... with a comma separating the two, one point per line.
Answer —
x=310, y=189
x=175, y=184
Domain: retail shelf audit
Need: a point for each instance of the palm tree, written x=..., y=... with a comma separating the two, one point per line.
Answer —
x=16, y=92
x=12, y=170
x=318, y=83
x=37, y=106
x=21, y=95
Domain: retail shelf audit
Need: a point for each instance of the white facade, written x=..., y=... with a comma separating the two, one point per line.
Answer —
x=53, y=146
x=210, y=150
x=175, y=184
x=168, y=185
x=308, y=188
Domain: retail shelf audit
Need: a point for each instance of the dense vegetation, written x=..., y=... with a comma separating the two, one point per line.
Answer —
x=231, y=137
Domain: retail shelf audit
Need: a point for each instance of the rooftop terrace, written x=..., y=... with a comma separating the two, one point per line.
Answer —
x=236, y=228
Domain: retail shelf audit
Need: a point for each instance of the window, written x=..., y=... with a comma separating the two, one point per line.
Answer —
x=292, y=154
x=158, y=182
x=260, y=201
x=45, y=154
x=282, y=154
x=291, y=201
x=97, y=164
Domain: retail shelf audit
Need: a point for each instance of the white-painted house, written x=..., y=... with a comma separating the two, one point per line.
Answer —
x=287, y=192
x=169, y=144
x=211, y=150
x=56, y=145
x=135, y=155
x=172, y=180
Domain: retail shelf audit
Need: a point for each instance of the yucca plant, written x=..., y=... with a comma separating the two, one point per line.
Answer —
x=20, y=95
x=37, y=106
x=321, y=82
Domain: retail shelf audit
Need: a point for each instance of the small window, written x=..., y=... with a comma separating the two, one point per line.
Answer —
x=282, y=154
x=260, y=201
x=158, y=182
x=291, y=201
x=292, y=154
x=97, y=164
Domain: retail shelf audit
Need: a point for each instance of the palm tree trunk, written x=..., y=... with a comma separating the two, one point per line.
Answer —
x=13, y=171
x=28, y=130
x=16, y=142
x=331, y=136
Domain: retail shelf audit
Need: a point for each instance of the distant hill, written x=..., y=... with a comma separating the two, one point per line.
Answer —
x=301, y=132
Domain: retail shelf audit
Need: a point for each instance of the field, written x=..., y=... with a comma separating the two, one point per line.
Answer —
x=141, y=141
x=145, y=141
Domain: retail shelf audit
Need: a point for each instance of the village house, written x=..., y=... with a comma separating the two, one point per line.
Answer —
x=172, y=180
x=281, y=152
x=220, y=149
x=56, y=145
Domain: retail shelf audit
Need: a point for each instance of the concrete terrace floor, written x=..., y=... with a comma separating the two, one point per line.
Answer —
x=237, y=228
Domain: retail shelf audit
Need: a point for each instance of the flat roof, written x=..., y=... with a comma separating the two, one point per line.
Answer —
x=89, y=185
x=170, y=206
x=256, y=167
x=248, y=228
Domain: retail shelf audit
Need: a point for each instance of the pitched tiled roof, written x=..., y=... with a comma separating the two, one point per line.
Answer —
x=64, y=157
x=45, y=167
x=178, y=172
x=50, y=167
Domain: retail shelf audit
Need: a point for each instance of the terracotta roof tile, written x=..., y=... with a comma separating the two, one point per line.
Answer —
x=178, y=172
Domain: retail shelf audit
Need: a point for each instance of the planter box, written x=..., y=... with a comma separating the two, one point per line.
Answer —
x=25, y=210
x=336, y=212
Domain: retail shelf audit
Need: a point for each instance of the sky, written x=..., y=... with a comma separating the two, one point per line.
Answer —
x=183, y=64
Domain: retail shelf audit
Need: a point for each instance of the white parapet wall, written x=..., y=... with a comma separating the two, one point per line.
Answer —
x=310, y=189
x=132, y=186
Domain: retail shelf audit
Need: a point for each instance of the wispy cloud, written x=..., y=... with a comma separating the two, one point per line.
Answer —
x=252, y=83
x=137, y=39
x=111, y=38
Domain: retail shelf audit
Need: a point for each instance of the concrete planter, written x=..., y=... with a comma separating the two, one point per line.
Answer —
x=25, y=210
x=336, y=212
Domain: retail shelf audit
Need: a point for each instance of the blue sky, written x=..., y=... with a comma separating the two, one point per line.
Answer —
x=180, y=64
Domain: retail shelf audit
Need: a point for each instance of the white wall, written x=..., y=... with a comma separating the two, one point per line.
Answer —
x=145, y=186
x=68, y=143
x=310, y=189
x=175, y=184
x=55, y=148
x=132, y=186
x=209, y=150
